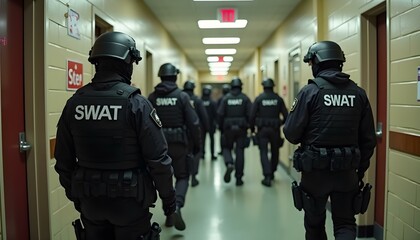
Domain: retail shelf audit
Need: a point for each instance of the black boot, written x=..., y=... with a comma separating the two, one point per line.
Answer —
x=229, y=171
x=266, y=181
x=194, y=181
x=178, y=221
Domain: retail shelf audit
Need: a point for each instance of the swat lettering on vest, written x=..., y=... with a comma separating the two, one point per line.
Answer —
x=97, y=112
x=232, y=102
x=269, y=102
x=166, y=101
x=206, y=103
x=337, y=100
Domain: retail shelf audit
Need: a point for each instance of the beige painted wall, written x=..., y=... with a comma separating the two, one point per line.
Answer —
x=403, y=192
x=129, y=16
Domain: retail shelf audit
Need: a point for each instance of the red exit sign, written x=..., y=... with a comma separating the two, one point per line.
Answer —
x=227, y=14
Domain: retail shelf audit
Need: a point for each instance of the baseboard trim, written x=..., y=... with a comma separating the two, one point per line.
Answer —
x=365, y=231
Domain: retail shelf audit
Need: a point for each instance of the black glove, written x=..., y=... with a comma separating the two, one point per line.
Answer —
x=169, y=206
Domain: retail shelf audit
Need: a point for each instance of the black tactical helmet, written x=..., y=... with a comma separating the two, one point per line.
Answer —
x=225, y=88
x=268, y=83
x=167, y=69
x=236, y=82
x=116, y=45
x=189, y=85
x=324, y=51
x=207, y=90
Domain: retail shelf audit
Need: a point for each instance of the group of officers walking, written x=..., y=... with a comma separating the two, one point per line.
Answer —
x=115, y=148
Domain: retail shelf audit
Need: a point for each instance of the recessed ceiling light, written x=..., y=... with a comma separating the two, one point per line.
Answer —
x=219, y=59
x=239, y=23
x=219, y=69
x=222, y=40
x=220, y=64
x=227, y=58
x=212, y=59
x=219, y=73
x=220, y=51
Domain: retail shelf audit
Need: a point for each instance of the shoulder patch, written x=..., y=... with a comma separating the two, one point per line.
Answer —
x=155, y=118
x=295, y=102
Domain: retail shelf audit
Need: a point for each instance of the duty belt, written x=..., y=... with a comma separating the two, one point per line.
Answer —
x=307, y=158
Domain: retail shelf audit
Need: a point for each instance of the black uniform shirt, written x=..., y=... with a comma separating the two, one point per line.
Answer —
x=152, y=143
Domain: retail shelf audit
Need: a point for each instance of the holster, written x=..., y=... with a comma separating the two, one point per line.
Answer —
x=79, y=230
x=297, y=196
x=362, y=199
x=302, y=199
x=154, y=233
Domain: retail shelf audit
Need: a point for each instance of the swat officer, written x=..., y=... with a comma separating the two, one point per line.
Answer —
x=225, y=90
x=111, y=154
x=265, y=115
x=181, y=127
x=332, y=120
x=198, y=105
x=234, y=112
x=211, y=109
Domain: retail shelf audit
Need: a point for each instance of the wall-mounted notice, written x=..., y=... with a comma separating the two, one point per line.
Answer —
x=74, y=75
x=73, y=23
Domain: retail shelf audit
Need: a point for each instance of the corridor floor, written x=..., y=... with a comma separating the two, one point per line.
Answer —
x=215, y=210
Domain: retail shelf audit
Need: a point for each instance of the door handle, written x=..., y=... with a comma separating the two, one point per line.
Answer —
x=24, y=146
x=379, y=130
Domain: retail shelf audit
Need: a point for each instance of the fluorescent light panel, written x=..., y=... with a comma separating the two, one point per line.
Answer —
x=219, y=73
x=206, y=24
x=219, y=69
x=217, y=59
x=220, y=51
x=221, y=40
x=220, y=64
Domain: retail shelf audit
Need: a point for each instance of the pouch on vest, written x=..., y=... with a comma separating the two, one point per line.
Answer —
x=297, y=163
x=78, y=184
x=297, y=196
x=97, y=186
x=175, y=135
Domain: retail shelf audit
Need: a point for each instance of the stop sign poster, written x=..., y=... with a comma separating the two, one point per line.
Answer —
x=74, y=75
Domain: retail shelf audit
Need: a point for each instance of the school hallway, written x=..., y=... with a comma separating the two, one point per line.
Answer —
x=215, y=210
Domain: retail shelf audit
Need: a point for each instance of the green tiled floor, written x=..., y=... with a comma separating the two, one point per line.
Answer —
x=215, y=210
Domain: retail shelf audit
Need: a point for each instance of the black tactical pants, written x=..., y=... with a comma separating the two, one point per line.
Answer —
x=178, y=152
x=269, y=136
x=114, y=218
x=211, y=136
x=340, y=187
x=235, y=139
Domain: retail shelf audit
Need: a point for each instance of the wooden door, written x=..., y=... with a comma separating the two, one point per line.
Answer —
x=12, y=114
x=381, y=118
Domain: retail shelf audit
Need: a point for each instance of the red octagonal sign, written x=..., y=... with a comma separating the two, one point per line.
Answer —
x=74, y=75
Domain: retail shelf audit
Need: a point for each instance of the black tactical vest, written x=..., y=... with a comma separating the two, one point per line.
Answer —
x=169, y=109
x=235, y=111
x=103, y=136
x=336, y=122
x=269, y=111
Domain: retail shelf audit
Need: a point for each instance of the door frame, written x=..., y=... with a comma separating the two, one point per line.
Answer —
x=369, y=80
x=38, y=159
